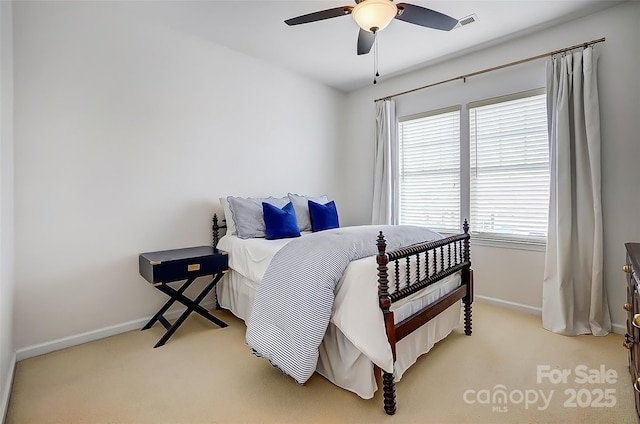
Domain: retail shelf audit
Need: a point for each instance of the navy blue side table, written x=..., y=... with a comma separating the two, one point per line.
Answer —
x=169, y=266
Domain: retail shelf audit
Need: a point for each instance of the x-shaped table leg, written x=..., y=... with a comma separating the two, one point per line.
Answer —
x=192, y=306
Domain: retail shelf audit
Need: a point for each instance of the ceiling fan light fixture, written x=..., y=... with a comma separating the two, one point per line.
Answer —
x=370, y=14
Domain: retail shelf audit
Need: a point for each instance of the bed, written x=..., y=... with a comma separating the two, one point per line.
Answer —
x=386, y=308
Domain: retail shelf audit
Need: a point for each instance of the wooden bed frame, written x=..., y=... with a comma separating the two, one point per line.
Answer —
x=431, y=262
x=441, y=258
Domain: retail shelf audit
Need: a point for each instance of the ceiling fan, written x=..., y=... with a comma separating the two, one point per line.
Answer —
x=374, y=15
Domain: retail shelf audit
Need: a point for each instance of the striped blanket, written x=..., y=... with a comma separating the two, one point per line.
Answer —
x=294, y=300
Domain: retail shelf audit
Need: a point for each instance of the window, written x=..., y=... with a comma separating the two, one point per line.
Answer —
x=504, y=184
x=429, y=180
x=509, y=168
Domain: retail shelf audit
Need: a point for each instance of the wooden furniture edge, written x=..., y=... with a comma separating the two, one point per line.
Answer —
x=396, y=332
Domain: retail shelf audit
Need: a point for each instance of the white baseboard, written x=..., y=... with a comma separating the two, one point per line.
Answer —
x=65, y=342
x=615, y=328
x=510, y=305
x=619, y=328
x=6, y=394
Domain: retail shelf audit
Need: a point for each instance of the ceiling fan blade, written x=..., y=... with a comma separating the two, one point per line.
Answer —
x=365, y=41
x=422, y=16
x=319, y=16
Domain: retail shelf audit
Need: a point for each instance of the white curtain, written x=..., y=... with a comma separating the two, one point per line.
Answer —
x=574, y=298
x=385, y=183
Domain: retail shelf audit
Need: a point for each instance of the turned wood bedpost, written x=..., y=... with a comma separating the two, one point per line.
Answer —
x=215, y=231
x=388, y=384
x=215, y=237
x=467, y=278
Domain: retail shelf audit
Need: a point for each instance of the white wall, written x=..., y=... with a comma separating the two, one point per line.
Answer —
x=7, y=348
x=509, y=275
x=127, y=131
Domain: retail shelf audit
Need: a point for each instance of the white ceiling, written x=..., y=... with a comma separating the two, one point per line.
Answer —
x=326, y=50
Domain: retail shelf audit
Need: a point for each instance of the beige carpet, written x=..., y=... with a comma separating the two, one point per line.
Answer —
x=207, y=375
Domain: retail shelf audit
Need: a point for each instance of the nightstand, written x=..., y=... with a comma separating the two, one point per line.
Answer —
x=166, y=267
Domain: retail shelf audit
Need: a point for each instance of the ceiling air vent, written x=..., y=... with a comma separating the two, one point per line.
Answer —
x=467, y=20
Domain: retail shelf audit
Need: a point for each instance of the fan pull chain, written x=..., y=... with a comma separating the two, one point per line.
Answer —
x=375, y=57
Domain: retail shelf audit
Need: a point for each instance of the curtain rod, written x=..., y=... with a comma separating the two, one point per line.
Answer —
x=495, y=68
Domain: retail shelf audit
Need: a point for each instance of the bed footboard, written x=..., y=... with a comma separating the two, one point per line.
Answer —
x=422, y=264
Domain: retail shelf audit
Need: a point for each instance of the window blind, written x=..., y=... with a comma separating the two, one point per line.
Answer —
x=510, y=169
x=429, y=180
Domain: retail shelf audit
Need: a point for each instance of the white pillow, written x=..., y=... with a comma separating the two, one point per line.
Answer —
x=231, y=226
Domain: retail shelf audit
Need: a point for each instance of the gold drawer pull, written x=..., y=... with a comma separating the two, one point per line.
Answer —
x=636, y=384
x=627, y=268
x=193, y=267
x=627, y=306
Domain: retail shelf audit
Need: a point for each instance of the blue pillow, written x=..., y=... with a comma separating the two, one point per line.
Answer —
x=323, y=217
x=301, y=206
x=280, y=223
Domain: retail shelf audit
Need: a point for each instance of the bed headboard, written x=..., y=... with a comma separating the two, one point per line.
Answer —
x=215, y=229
